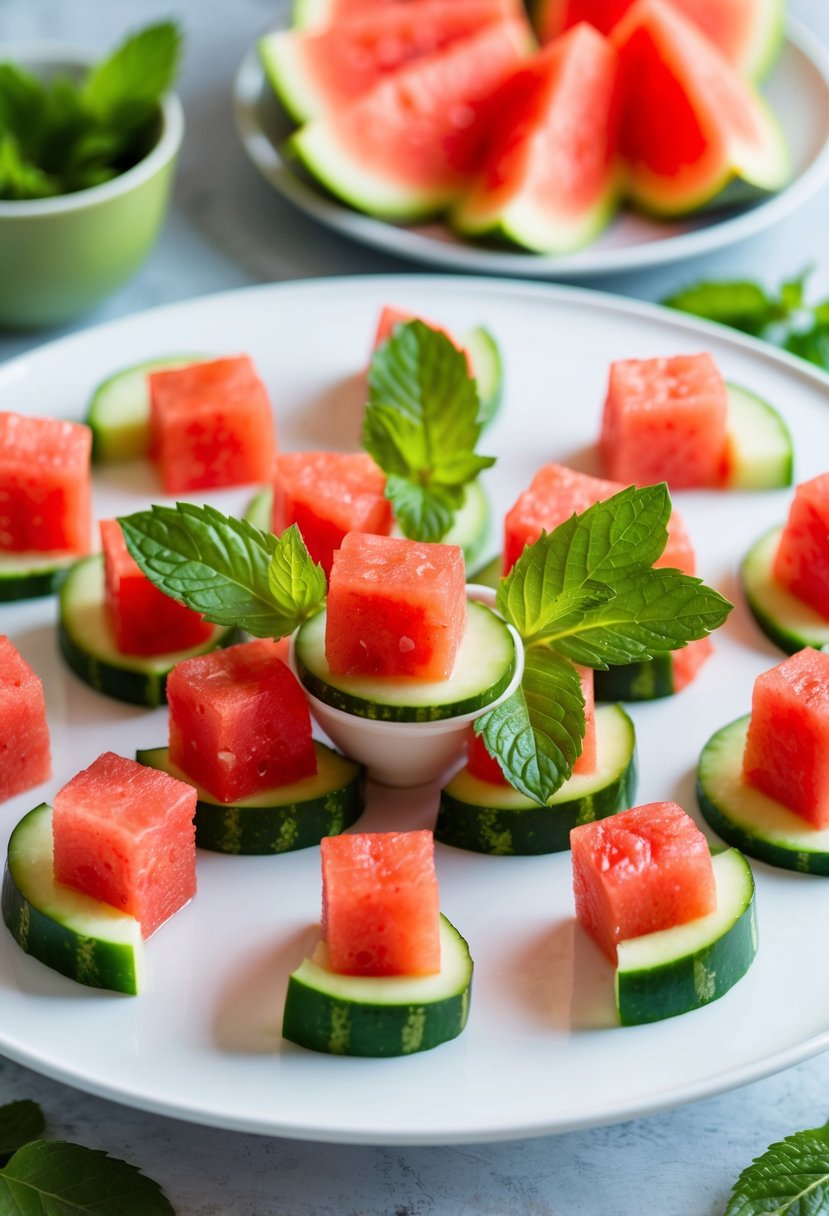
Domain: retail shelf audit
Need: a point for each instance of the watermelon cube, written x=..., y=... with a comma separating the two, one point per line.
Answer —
x=380, y=903
x=555, y=493
x=391, y=317
x=802, y=560
x=327, y=494
x=640, y=871
x=124, y=834
x=395, y=608
x=211, y=425
x=788, y=736
x=665, y=420
x=239, y=721
x=45, y=491
x=25, y=758
x=144, y=620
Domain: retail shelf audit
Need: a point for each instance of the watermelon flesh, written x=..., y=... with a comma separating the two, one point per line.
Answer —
x=640, y=871
x=317, y=13
x=801, y=563
x=25, y=757
x=211, y=425
x=690, y=125
x=392, y=317
x=124, y=834
x=747, y=32
x=45, y=490
x=665, y=420
x=143, y=619
x=380, y=903
x=239, y=721
x=788, y=735
x=550, y=179
x=395, y=608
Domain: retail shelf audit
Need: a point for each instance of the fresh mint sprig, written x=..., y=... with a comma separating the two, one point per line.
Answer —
x=421, y=426
x=20, y=1122
x=52, y=1177
x=226, y=569
x=790, y=1179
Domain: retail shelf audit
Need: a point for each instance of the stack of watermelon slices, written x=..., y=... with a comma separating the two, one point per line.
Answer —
x=416, y=108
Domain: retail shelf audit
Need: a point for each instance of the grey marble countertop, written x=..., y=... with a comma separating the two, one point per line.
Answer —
x=227, y=230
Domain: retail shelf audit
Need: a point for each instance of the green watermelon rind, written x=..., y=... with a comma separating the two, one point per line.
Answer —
x=280, y=54
x=534, y=228
x=310, y=14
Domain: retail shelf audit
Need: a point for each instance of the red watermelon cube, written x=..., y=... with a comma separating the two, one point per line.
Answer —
x=665, y=420
x=144, y=620
x=239, y=721
x=787, y=747
x=802, y=561
x=211, y=425
x=327, y=494
x=25, y=758
x=395, y=608
x=45, y=491
x=640, y=871
x=391, y=317
x=124, y=834
x=380, y=903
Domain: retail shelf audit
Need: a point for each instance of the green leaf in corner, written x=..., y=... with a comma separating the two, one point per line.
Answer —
x=20, y=1122
x=295, y=580
x=136, y=75
x=536, y=734
x=811, y=344
x=742, y=305
x=52, y=1178
x=790, y=1179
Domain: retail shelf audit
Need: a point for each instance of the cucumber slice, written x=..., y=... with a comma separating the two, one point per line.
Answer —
x=260, y=510
x=489, y=574
x=761, y=454
x=280, y=820
x=661, y=975
x=358, y=1015
x=87, y=644
x=78, y=936
x=748, y=818
x=119, y=412
x=488, y=369
x=28, y=576
x=636, y=681
x=483, y=669
x=786, y=620
x=497, y=819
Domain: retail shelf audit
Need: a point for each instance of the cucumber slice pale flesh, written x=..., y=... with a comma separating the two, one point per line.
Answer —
x=28, y=576
x=484, y=667
x=661, y=975
x=497, y=819
x=787, y=621
x=119, y=412
x=357, y=1015
x=70, y=932
x=280, y=820
x=749, y=819
x=760, y=450
x=488, y=369
x=87, y=644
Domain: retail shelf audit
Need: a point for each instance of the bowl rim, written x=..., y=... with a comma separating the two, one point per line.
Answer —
x=164, y=150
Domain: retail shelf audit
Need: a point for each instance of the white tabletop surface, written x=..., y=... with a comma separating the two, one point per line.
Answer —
x=227, y=229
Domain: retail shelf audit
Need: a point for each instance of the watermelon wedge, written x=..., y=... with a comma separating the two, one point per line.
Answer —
x=691, y=127
x=405, y=150
x=316, y=71
x=313, y=14
x=550, y=181
x=748, y=32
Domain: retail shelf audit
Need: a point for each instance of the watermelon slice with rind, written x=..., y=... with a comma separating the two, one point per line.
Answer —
x=551, y=178
x=316, y=71
x=748, y=32
x=406, y=149
x=692, y=130
x=314, y=14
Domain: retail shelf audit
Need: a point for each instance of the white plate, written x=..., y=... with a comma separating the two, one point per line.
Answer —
x=798, y=90
x=539, y=1053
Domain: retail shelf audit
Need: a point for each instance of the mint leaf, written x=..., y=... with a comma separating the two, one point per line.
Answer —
x=790, y=1179
x=53, y=1178
x=19, y=178
x=421, y=426
x=20, y=1122
x=219, y=566
x=22, y=101
x=295, y=580
x=135, y=77
x=811, y=344
x=742, y=305
x=536, y=734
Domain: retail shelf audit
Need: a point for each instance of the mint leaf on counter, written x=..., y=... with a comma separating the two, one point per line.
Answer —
x=20, y=1122
x=790, y=1179
x=741, y=304
x=52, y=1178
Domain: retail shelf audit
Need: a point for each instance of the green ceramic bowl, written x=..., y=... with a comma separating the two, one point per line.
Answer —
x=61, y=256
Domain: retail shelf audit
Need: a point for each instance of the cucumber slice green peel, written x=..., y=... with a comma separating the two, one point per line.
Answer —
x=761, y=453
x=661, y=975
x=119, y=412
x=280, y=820
x=385, y=1016
x=749, y=819
x=787, y=621
x=497, y=819
x=28, y=576
x=87, y=644
x=80, y=937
